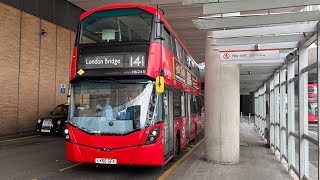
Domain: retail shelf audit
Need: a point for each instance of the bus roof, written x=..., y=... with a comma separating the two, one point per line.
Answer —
x=150, y=9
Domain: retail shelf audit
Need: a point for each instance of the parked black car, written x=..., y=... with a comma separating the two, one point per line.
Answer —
x=55, y=122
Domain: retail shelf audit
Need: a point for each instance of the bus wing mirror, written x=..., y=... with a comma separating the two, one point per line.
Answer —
x=158, y=30
x=160, y=84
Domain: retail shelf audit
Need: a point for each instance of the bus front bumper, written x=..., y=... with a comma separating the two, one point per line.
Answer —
x=135, y=155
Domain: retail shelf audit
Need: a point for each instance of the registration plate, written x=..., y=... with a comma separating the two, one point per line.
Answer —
x=106, y=161
x=45, y=130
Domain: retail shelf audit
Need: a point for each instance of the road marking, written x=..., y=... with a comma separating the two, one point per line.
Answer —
x=186, y=149
x=166, y=174
x=9, y=140
x=69, y=167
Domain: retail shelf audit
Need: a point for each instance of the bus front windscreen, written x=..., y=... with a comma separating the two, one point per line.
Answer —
x=115, y=26
x=112, y=108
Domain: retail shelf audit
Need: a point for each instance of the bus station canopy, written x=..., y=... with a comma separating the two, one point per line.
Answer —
x=238, y=25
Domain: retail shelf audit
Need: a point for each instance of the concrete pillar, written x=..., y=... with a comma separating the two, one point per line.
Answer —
x=222, y=108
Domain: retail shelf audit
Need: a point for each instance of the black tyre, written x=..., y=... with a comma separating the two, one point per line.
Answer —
x=177, y=147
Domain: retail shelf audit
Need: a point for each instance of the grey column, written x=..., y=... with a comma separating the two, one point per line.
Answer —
x=222, y=108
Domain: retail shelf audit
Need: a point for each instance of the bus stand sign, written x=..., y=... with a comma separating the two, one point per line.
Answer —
x=250, y=54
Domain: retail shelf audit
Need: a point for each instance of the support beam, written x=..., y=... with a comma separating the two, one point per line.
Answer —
x=244, y=93
x=311, y=40
x=249, y=21
x=271, y=110
x=252, y=5
x=244, y=84
x=291, y=117
x=270, y=30
x=318, y=95
x=190, y=2
x=276, y=110
x=265, y=61
x=282, y=45
x=260, y=40
x=257, y=76
x=303, y=114
x=283, y=123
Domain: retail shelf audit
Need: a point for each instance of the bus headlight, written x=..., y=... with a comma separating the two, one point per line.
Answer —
x=154, y=133
x=153, y=136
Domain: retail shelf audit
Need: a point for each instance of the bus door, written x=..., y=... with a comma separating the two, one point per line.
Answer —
x=168, y=124
x=188, y=115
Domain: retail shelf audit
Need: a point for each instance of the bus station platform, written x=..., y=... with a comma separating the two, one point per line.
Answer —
x=257, y=161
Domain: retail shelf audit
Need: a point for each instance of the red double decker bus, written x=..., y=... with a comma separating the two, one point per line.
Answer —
x=313, y=102
x=123, y=57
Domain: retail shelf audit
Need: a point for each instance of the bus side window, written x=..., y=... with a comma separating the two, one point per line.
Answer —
x=183, y=111
x=194, y=104
x=179, y=50
x=174, y=47
x=165, y=109
x=167, y=39
x=184, y=57
x=176, y=105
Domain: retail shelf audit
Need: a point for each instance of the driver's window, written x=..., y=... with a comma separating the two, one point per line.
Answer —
x=165, y=108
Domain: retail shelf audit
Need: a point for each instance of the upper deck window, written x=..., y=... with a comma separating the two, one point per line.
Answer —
x=117, y=25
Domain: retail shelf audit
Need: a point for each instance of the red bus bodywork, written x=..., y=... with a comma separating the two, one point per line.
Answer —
x=131, y=149
x=312, y=98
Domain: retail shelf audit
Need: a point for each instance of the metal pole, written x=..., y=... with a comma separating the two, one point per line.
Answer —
x=272, y=126
x=303, y=113
x=249, y=118
x=283, y=124
x=318, y=95
x=291, y=117
x=276, y=111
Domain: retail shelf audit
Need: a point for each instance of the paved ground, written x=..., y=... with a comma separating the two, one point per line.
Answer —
x=41, y=157
x=256, y=163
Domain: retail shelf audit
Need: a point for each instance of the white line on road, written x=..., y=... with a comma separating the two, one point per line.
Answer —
x=9, y=140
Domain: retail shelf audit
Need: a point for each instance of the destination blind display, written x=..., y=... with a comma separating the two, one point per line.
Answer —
x=103, y=61
x=183, y=75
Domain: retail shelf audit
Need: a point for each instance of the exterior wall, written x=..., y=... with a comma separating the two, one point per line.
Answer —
x=33, y=67
x=9, y=69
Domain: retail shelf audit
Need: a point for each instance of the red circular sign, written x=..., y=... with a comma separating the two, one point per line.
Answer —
x=226, y=56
